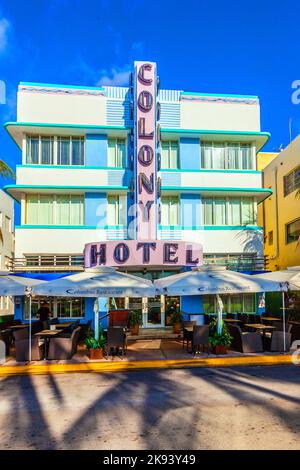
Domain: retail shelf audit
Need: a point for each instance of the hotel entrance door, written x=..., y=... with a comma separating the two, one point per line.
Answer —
x=154, y=315
x=152, y=309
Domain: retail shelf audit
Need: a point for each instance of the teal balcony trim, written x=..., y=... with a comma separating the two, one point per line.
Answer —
x=66, y=125
x=210, y=227
x=202, y=170
x=215, y=132
x=84, y=188
x=55, y=85
x=224, y=189
x=220, y=95
x=71, y=227
x=72, y=167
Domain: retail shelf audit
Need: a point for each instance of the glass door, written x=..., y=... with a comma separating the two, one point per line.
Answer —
x=155, y=312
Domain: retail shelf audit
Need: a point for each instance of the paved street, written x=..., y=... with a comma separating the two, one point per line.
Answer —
x=241, y=408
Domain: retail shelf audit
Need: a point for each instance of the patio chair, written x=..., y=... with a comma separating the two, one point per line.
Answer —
x=116, y=339
x=68, y=330
x=187, y=335
x=200, y=337
x=21, y=338
x=85, y=328
x=63, y=348
x=276, y=341
x=5, y=336
x=295, y=332
x=245, y=342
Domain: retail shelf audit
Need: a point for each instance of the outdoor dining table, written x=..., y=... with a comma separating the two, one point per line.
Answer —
x=261, y=328
x=16, y=327
x=60, y=326
x=271, y=319
x=47, y=334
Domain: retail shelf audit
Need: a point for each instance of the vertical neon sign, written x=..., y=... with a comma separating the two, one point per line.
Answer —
x=145, y=151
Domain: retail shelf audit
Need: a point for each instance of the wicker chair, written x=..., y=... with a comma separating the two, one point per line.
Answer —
x=187, y=335
x=200, y=337
x=245, y=342
x=116, y=339
x=63, y=348
x=21, y=338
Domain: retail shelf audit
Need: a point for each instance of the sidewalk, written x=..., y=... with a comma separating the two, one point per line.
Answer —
x=144, y=354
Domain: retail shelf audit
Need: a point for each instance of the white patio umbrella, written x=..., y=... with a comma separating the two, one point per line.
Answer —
x=13, y=285
x=98, y=282
x=290, y=276
x=215, y=280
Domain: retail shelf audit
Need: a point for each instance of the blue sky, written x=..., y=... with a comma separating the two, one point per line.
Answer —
x=241, y=47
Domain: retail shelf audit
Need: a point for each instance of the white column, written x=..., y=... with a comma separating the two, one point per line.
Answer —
x=24, y=150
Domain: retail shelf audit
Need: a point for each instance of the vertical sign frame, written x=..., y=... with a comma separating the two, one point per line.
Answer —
x=145, y=145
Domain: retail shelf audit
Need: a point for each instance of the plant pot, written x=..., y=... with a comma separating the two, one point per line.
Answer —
x=177, y=328
x=96, y=353
x=135, y=330
x=220, y=349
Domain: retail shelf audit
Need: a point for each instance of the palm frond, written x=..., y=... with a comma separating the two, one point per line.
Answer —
x=5, y=170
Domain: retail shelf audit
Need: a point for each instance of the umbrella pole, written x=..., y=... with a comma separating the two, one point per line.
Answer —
x=30, y=329
x=96, y=318
x=283, y=319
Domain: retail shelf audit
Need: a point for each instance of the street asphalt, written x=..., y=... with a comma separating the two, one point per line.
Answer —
x=197, y=408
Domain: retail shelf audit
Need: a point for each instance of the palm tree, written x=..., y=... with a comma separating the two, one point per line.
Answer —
x=5, y=170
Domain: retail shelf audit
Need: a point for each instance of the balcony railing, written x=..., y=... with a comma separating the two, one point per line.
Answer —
x=242, y=262
x=48, y=263
x=75, y=262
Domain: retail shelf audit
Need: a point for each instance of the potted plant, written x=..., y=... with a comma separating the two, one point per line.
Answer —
x=95, y=346
x=176, y=321
x=134, y=322
x=219, y=341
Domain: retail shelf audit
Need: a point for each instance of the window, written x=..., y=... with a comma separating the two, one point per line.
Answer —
x=116, y=210
x=48, y=209
x=170, y=210
x=228, y=211
x=291, y=182
x=70, y=151
x=59, y=307
x=117, y=153
x=4, y=303
x=7, y=222
x=40, y=150
x=236, y=303
x=169, y=155
x=52, y=150
x=270, y=237
x=226, y=156
x=293, y=231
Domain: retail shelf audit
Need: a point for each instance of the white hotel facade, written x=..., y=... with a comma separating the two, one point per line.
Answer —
x=76, y=182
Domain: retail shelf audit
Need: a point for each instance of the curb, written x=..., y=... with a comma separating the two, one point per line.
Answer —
x=102, y=367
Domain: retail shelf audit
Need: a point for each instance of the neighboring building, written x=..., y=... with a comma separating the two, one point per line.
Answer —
x=280, y=213
x=90, y=153
x=264, y=158
x=6, y=245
